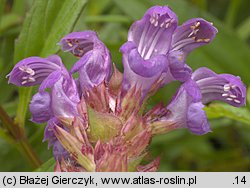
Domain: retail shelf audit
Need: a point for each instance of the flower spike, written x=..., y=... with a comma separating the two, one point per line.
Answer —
x=99, y=120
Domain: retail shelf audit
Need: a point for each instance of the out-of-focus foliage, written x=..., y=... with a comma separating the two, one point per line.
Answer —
x=227, y=148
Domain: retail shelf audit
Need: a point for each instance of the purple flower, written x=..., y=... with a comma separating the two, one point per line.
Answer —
x=61, y=102
x=49, y=131
x=34, y=70
x=79, y=43
x=186, y=109
x=156, y=47
x=40, y=107
x=94, y=65
x=178, y=69
x=45, y=106
x=144, y=55
x=49, y=73
x=59, y=152
x=224, y=87
x=153, y=33
x=193, y=33
x=205, y=86
x=139, y=72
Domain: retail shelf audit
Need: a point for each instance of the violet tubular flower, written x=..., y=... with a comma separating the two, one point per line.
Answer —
x=34, y=70
x=138, y=72
x=184, y=111
x=49, y=73
x=223, y=87
x=144, y=55
x=94, y=65
x=193, y=33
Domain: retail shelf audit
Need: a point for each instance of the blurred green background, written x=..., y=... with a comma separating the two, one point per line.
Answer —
x=40, y=24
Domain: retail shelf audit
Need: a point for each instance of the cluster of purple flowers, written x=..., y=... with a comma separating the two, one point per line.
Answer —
x=96, y=122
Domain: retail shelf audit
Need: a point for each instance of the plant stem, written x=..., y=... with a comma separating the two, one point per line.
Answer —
x=28, y=152
x=12, y=128
x=21, y=141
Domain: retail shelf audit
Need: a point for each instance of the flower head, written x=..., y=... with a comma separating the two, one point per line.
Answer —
x=97, y=122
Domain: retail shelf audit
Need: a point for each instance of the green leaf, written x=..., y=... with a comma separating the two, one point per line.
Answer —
x=9, y=20
x=10, y=107
x=225, y=110
x=96, y=7
x=6, y=56
x=45, y=24
x=243, y=29
x=2, y=6
x=19, y=7
x=47, y=166
x=232, y=12
x=133, y=8
x=108, y=19
x=202, y=4
x=9, y=152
